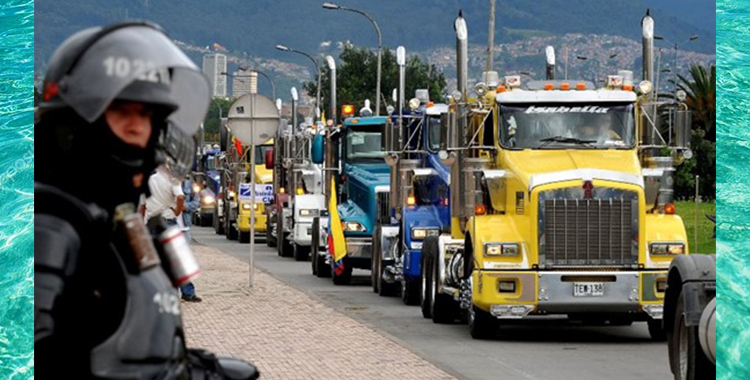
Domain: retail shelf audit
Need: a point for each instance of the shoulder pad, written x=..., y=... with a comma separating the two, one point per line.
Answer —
x=56, y=245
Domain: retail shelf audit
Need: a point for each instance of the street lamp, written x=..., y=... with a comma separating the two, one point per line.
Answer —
x=674, y=62
x=332, y=6
x=317, y=70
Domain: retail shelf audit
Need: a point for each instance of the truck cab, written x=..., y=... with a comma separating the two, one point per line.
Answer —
x=561, y=203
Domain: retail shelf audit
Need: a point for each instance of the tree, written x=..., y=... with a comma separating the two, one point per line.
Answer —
x=356, y=75
x=211, y=123
x=701, y=98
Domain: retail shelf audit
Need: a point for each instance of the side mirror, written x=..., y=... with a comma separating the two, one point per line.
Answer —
x=269, y=159
x=317, y=149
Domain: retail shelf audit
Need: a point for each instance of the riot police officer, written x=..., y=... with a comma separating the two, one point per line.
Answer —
x=105, y=304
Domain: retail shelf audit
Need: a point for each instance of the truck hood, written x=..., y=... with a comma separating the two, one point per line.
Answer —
x=263, y=175
x=362, y=181
x=529, y=163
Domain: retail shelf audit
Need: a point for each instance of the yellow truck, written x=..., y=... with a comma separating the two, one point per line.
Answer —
x=264, y=195
x=560, y=201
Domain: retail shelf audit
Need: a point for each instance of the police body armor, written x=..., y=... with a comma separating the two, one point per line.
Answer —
x=76, y=265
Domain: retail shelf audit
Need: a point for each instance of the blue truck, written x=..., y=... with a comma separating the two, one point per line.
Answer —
x=363, y=174
x=418, y=205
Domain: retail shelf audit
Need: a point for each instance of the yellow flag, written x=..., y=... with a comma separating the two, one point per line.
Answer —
x=336, y=242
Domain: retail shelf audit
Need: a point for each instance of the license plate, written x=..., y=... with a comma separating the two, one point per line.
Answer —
x=588, y=289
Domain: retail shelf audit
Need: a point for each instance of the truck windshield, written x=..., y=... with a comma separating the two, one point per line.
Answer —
x=260, y=153
x=433, y=132
x=568, y=126
x=364, y=144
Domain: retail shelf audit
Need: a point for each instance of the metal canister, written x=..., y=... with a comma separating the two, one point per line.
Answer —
x=184, y=266
x=140, y=241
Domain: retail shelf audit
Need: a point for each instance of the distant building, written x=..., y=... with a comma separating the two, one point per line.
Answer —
x=213, y=66
x=244, y=82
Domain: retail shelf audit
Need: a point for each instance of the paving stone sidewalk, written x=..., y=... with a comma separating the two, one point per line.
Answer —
x=286, y=333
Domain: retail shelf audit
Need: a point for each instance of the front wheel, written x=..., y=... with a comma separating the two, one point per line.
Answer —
x=684, y=346
x=345, y=277
x=410, y=291
x=656, y=330
x=300, y=253
x=482, y=325
x=425, y=297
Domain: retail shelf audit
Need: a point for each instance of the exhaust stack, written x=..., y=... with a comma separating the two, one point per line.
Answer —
x=647, y=27
x=462, y=54
x=550, y=53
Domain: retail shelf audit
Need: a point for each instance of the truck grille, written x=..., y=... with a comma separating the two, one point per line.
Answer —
x=384, y=209
x=602, y=231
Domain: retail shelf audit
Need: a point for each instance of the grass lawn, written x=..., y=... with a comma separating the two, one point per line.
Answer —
x=686, y=210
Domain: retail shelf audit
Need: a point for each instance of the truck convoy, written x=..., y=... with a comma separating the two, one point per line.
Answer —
x=559, y=202
x=206, y=185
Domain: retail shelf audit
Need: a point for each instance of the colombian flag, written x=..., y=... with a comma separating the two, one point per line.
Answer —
x=336, y=242
x=237, y=145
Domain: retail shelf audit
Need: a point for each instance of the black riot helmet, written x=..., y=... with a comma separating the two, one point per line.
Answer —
x=130, y=61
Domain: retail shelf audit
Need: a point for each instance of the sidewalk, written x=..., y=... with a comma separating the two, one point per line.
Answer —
x=286, y=333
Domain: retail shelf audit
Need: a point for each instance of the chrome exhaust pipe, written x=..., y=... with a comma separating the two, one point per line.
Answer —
x=550, y=53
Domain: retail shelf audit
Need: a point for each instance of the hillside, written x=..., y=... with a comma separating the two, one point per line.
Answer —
x=256, y=26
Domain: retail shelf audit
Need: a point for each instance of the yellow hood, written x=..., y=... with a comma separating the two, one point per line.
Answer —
x=529, y=162
x=263, y=175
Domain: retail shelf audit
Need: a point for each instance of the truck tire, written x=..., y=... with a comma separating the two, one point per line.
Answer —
x=244, y=237
x=344, y=278
x=285, y=247
x=684, y=345
x=232, y=233
x=482, y=325
x=270, y=239
x=656, y=330
x=443, y=309
x=379, y=285
x=300, y=253
x=410, y=291
x=425, y=296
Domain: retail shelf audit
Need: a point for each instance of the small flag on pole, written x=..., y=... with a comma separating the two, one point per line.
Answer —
x=336, y=242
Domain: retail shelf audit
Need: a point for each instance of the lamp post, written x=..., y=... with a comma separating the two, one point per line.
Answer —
x=333, y=6
x=317, y=70
x=674, y=61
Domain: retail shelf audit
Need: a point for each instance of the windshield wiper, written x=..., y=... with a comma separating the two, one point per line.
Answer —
x=563, y=139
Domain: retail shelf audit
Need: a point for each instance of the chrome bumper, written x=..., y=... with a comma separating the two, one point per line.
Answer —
x=359, y=247
x=556, y=296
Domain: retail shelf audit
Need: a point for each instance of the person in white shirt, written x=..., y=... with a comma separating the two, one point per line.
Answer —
x=168, y=202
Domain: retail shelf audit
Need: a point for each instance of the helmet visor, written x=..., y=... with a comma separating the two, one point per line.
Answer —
x=137, y=54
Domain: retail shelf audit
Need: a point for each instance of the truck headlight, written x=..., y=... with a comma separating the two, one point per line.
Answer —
x=308, y=212
x=196, y=188
x=664, y=249
x=501, y=249
x=353, y=226
x=207, y=199
x=246, y=206
x=231, y=194
x=423, y=233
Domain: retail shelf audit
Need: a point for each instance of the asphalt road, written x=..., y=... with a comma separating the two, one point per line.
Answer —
x=549, y=348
